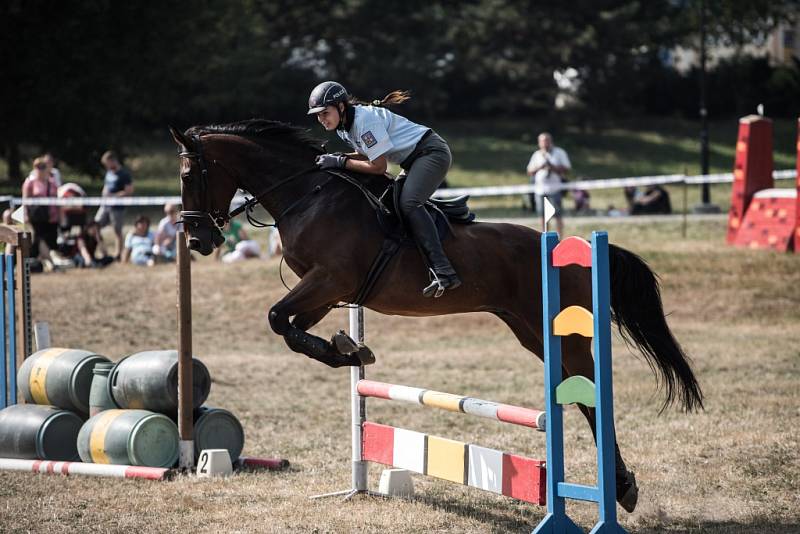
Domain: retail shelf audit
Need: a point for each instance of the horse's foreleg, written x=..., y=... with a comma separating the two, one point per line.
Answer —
x=577, y=360
x=309, y=301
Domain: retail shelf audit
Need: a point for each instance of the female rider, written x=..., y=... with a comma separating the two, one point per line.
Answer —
x=380, y=136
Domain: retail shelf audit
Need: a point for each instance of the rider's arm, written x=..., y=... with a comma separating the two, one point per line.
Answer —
x=377, y=166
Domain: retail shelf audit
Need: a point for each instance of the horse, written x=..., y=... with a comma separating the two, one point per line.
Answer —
x=331, y=236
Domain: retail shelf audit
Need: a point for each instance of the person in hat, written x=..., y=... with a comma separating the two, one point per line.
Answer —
x=380, y=136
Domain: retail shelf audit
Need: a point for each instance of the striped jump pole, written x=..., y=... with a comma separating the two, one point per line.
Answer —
x=488, y=469
x=48, y=467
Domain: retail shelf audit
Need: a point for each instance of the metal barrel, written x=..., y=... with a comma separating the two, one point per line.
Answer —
x=31, y=431
x=149, y=381
x=59, y=377
x=99, y=398
x=215, y=428
x=129, y=437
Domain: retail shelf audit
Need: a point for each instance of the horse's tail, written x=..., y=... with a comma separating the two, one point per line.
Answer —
x=639, y=314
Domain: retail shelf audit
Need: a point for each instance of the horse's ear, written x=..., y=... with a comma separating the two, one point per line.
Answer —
x=179, y=138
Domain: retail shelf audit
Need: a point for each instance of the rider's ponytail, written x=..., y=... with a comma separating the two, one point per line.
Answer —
x=393, y=98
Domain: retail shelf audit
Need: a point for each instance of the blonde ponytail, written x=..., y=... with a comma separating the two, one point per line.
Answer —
x=393, y=98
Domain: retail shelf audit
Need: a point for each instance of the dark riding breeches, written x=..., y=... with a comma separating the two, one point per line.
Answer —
x=431, y=160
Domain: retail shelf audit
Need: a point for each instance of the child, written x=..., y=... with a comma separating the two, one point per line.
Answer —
x=139, y=243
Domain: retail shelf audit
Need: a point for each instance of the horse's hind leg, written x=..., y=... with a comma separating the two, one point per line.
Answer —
x=309, y=301
x=577, y=360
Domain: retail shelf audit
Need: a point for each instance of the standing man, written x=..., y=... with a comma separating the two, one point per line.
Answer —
x=118, y=183
x=547, y=169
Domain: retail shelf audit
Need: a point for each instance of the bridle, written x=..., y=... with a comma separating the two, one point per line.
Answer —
x=215, y=219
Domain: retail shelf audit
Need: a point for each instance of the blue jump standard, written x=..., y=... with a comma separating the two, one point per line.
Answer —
x=604, y=494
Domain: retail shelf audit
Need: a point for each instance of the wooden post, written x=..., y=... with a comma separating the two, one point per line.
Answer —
x=185, y=402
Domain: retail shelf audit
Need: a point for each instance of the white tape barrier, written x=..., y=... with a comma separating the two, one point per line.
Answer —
x=611, y=183
x=498, y=190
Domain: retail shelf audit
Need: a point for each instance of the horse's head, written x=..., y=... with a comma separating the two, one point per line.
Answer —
x=206, y=191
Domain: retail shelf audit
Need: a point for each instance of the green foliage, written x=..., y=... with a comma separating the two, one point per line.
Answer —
x=81, y=77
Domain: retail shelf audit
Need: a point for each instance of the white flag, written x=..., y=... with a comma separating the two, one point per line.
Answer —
x=19, y=215
x=549, y=211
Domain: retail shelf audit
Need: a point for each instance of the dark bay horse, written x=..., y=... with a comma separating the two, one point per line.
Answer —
x=331, y=236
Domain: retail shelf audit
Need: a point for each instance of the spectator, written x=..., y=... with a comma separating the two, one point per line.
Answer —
x=139, y=243
x=166, y=234
x=118, y=183
x=581, y=198
x=89, y=243
x=239, y=246
x=655, y=199
x=7, y=220
x=52, y=166
x=44, y=219
x=547, y=169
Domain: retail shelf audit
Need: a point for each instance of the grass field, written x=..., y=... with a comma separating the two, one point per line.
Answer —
x=733, y=468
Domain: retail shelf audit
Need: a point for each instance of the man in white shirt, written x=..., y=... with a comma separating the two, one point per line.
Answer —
x=547, y=169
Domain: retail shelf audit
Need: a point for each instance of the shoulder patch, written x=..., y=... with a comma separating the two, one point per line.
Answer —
x=369, y=139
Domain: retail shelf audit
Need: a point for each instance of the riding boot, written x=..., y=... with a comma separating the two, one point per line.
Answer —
x=424, y=230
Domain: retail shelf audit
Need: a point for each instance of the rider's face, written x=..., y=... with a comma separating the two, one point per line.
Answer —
x=328, y=118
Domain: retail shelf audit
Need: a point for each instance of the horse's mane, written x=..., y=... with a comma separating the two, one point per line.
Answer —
x=262, y=130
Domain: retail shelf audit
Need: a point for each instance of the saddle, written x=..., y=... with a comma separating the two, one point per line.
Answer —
x=390, y=220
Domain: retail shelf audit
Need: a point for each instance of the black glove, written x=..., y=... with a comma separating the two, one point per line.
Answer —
x=331, y=161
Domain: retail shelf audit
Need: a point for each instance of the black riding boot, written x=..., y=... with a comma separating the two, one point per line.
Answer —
x=424, y=230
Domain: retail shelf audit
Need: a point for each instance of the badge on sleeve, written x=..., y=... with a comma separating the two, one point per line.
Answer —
x=369, y=139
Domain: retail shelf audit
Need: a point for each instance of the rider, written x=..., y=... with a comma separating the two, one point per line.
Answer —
x=380, y=136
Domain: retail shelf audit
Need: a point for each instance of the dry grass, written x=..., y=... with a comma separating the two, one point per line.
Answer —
x=733, y=468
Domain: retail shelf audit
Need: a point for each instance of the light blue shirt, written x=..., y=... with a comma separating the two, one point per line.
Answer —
x=377, y=132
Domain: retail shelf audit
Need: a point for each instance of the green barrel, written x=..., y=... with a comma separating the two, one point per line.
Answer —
x=32, y=431
x=149, y=381
x=99, y=398
x=129, y=437
x=59, y=377
x=215, y=428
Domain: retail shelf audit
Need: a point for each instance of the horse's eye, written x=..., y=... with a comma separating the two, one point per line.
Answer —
x=186, y=178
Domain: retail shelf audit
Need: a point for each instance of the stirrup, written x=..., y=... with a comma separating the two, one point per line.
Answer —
x=439, y=283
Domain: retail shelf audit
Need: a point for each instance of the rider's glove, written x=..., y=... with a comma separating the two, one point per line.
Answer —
x=331, y=161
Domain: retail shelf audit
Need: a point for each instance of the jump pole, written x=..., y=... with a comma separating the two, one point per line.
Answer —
x=185, y=401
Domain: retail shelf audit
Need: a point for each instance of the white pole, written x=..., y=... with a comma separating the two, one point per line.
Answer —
x=357, y=404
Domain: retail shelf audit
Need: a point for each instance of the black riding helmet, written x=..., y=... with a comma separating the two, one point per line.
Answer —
x=326, y=94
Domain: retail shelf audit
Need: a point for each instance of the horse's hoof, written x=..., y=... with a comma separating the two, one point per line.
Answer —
x=365, y=355
x=344, y=344
x=629, y=496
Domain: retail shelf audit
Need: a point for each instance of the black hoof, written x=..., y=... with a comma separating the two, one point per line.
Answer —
x=628, y=493
x=358, y=354
x=344, y=344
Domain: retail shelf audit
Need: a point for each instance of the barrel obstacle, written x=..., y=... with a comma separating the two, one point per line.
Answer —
x=55, y=422
x=760, y=216
x=525, y=479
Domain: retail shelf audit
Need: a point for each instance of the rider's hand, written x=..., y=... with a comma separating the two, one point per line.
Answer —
x=331, y=161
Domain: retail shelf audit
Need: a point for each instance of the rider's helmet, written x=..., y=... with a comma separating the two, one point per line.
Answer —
x=326, y=94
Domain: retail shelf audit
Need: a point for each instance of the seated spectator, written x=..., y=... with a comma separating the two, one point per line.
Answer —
x=654, y=200
x=139, y=243
x=239, y=246
x=89, y=243
x=166, y=234
x=581, y=199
